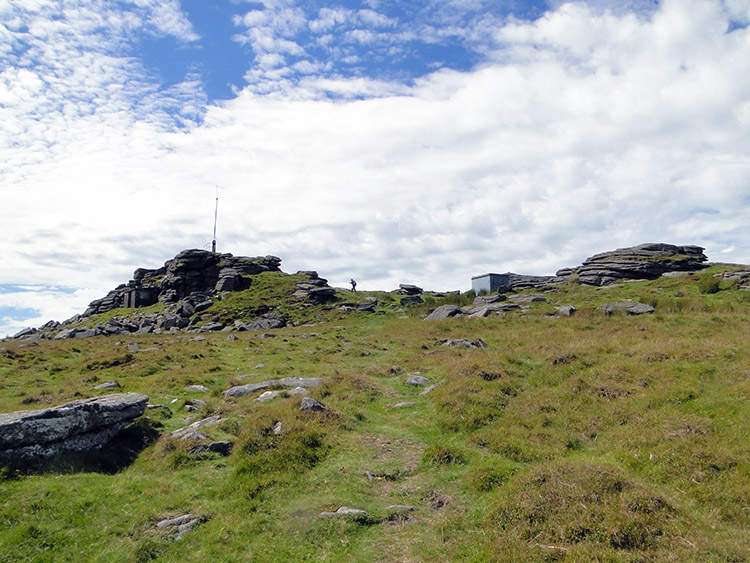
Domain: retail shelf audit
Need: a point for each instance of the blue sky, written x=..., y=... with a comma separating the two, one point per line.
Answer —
x=391, y=141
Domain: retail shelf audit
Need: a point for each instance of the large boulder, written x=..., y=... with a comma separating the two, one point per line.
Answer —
x=73, y=427
x=642, y=262
x=443, y=312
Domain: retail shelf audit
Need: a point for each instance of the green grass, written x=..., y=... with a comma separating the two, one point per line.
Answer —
x=584, y=438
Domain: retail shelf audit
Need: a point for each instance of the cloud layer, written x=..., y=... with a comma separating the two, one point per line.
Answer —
x=579, y=131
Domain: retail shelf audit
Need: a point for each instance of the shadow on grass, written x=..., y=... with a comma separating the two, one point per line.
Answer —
x=119, y=453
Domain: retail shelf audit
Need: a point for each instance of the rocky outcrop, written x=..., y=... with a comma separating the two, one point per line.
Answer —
x=73, y=427
x=190, y=273
x=520, y=281
x=642, y=262
x=409, y=289
x=314, y=288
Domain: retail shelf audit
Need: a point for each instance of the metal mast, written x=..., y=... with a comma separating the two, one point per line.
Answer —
x=216, y=217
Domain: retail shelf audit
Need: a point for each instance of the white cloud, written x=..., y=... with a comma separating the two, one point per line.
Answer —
x=583, y=131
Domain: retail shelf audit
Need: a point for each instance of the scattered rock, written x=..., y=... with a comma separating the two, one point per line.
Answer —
x=187, y=430
x=487, y=299
x=443, y=312
x=346, y=511
x=402, y=405
x=267, y=396
x=222, y=448
x=529, y=298
x=242, y=390
x=108, y=385
x=310, y=404
x=197, y=388
x=180, y=525
x=430, y=388
x=416, y=379
x=565, y=310
x=77, y=426
x=462, y=342
x=629, y=307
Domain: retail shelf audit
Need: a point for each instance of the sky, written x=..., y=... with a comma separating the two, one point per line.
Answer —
x=392, y=141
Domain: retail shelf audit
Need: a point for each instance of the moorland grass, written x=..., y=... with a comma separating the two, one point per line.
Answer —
x=584, y=438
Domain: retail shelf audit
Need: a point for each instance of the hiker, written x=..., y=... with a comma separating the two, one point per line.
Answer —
x=354, y=285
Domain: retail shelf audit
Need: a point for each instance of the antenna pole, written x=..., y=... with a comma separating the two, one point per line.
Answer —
x=216, y=217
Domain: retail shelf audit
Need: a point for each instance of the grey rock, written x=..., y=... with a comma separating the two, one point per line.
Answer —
x=346, y=511
x=222, y=448
x=443, y=312
x=267, y=322
x=193, y=435
x=645, y=261
x=211, y=327
x=415, y=379
x=108, y=385
x=186, y=430
x=197, y=388
x=180, y=525
x=487, y=299
x=409, y=289
x=26, y=332
x=190, y=273
x=368, y=306
x=521, y=281
x=77, y=426
x=464, y=343
x=430, y=388
x=401, y=405
x=565, y=310
x=529, y=298
x=172, y=522
x=268, y=395
x=310, y=404
x=629, y=307
x=475, y=311
x=411, y=300
x=67, y=333
x=242, y=390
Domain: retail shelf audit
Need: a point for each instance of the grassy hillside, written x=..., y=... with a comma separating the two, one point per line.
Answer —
x=583, y=438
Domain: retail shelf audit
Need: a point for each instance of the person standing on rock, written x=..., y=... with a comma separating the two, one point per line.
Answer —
x=354, y=285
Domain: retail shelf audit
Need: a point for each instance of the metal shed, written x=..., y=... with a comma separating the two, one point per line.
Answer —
x=490, y=283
